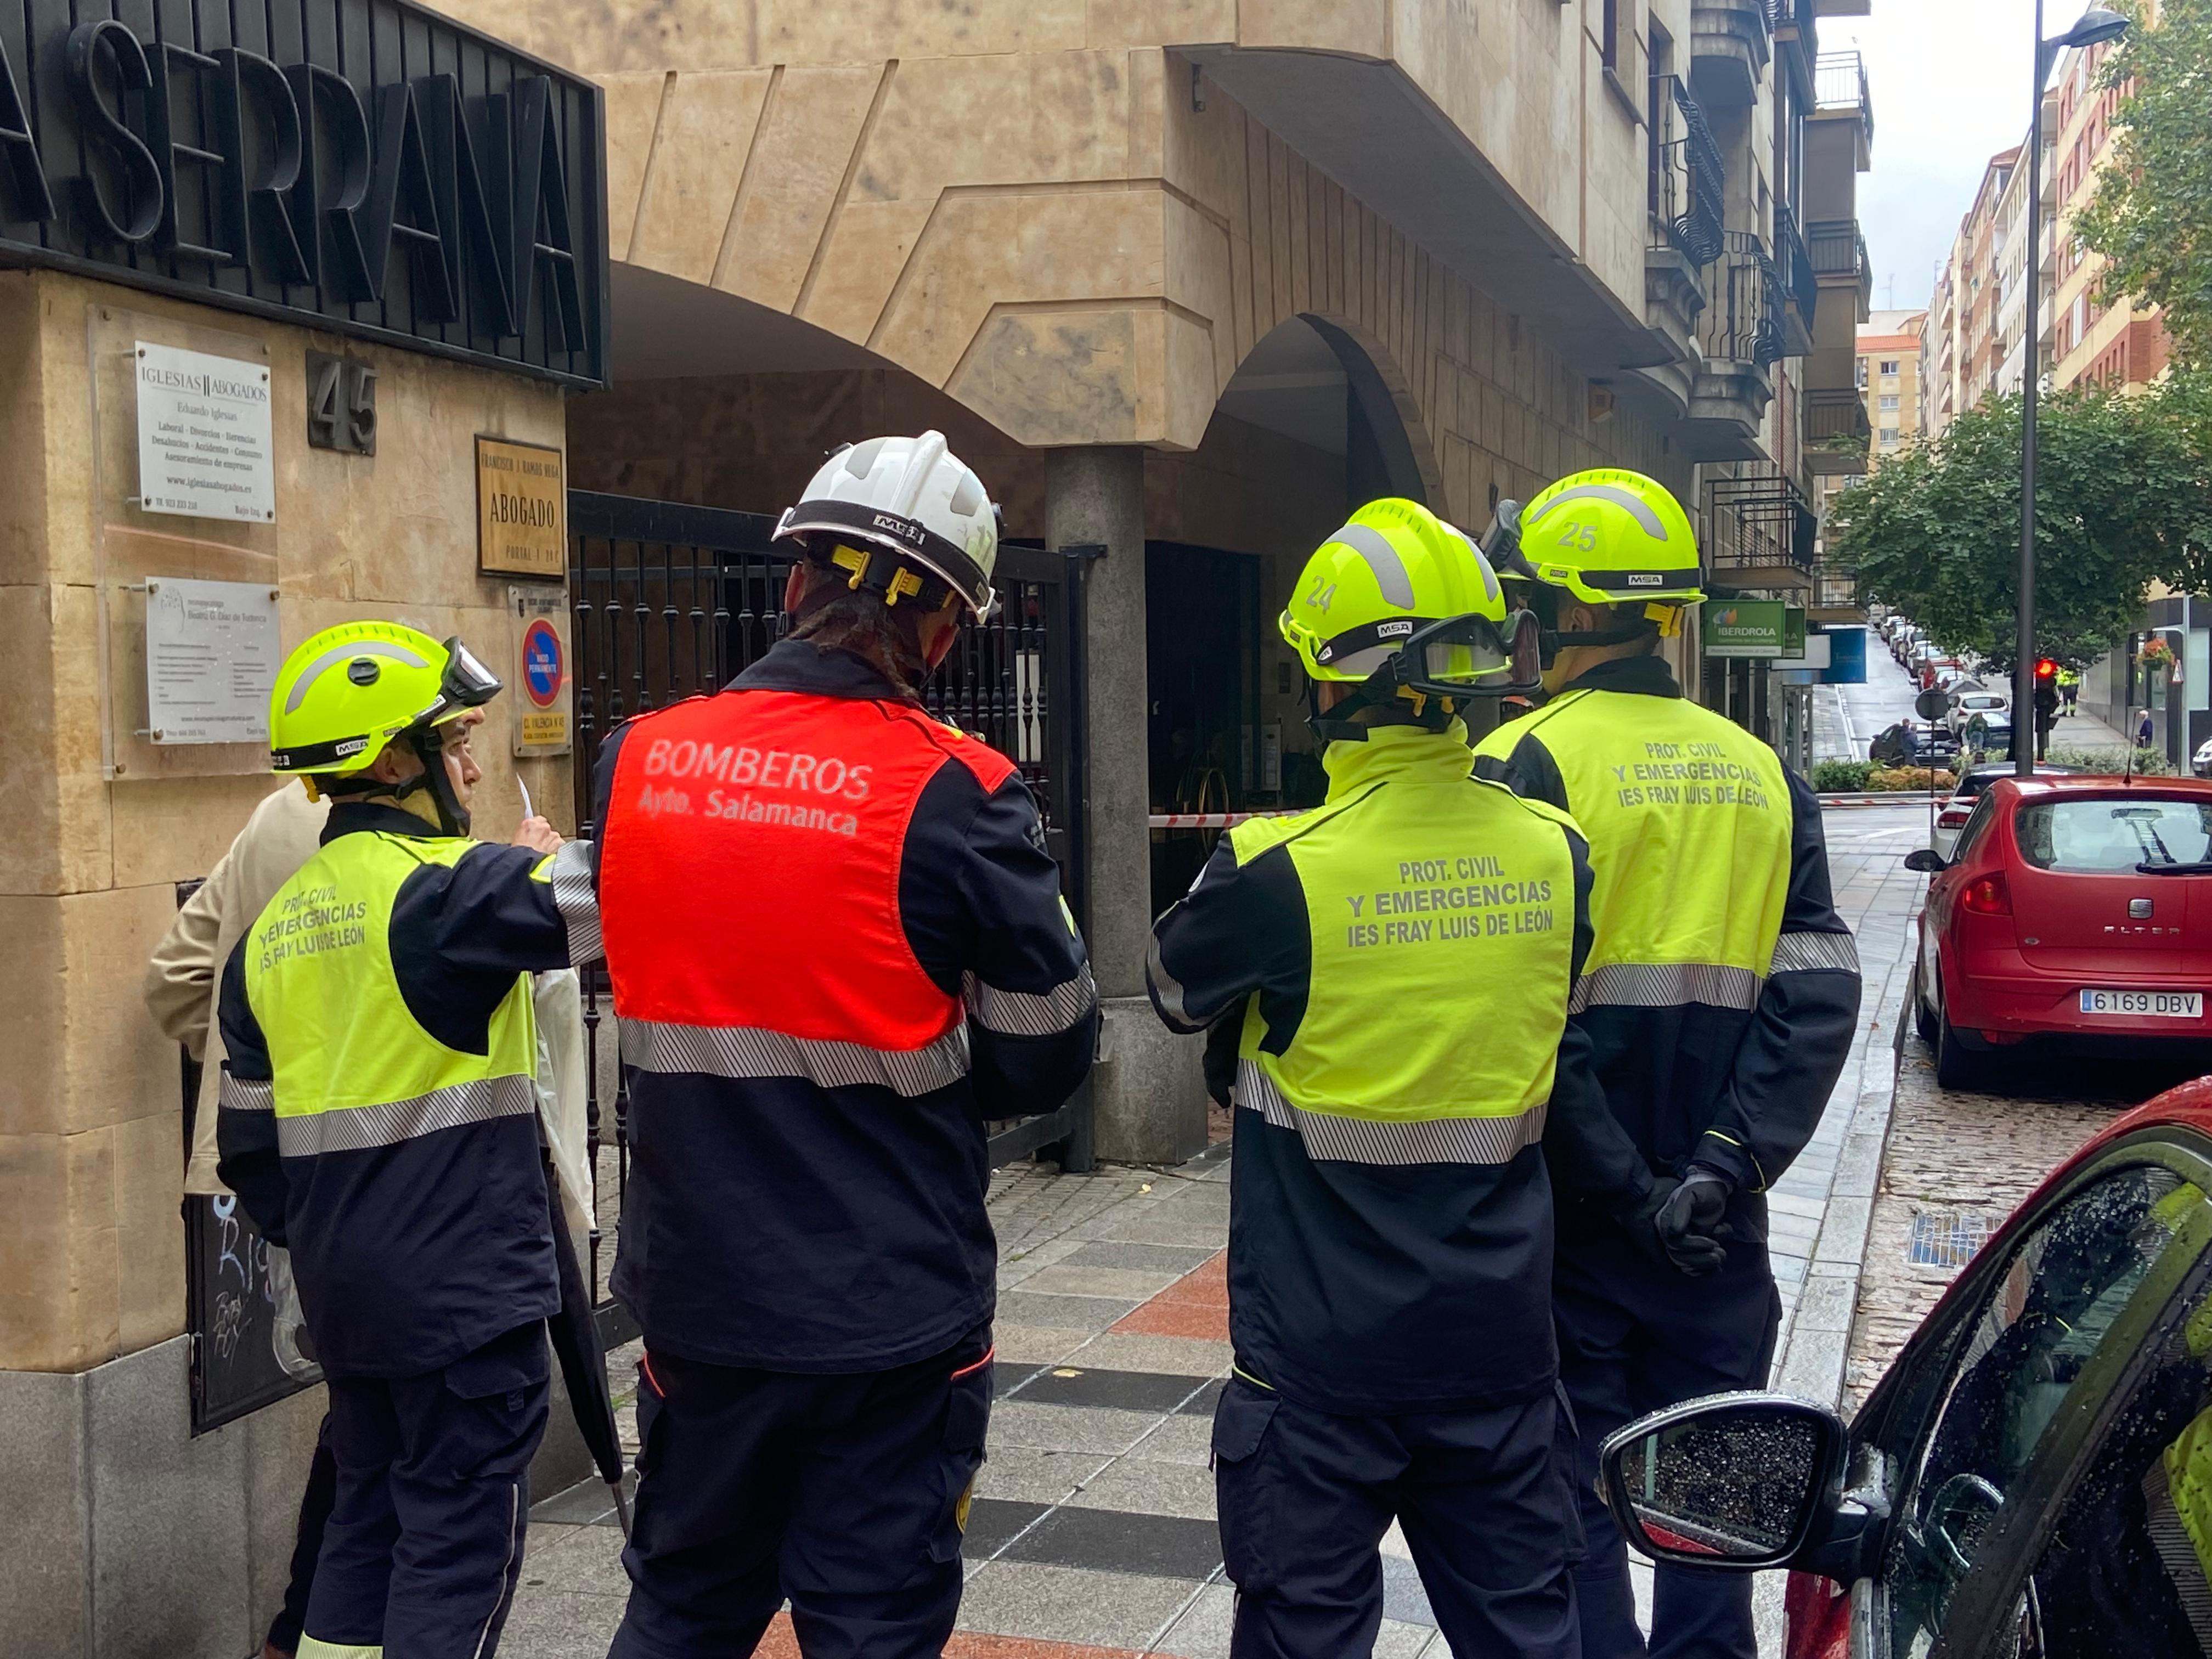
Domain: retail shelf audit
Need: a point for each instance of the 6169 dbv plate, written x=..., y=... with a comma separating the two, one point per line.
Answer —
x=2159, y=1005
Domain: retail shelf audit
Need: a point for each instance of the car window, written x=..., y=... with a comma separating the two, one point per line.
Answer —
x=1986, y=810
x=2114, y=835
x=2068, y=1279
x=2128, y=1569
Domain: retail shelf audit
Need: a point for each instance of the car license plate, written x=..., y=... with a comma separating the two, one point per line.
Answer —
x=2160, y=1005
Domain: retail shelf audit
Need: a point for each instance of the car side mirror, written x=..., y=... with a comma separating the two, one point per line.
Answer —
x=1926, y=860
x=1733, y=1480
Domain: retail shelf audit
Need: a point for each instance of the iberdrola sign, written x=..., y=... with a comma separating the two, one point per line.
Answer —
x=1744, y=628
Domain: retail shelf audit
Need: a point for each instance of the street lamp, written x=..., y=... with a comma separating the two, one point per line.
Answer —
x=2097, y=24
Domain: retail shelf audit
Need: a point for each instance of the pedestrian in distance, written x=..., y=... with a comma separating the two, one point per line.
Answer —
x=1393, y=970
x=2143, y=730
x=837, y=946
x=378, y=1118
x=1719, y=1003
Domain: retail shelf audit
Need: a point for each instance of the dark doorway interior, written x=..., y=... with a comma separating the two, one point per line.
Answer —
x=1202, y=662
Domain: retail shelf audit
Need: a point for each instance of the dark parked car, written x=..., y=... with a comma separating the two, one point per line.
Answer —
x=1931, y=742
x=2027, y=1479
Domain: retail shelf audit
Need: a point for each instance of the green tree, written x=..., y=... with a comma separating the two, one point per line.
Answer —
x=2124, y=498
x=2151, y=216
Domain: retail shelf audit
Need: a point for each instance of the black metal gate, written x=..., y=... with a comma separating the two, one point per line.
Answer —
x=672, y=601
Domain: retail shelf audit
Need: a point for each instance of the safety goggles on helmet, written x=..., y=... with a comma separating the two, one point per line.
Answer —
x=1543, y=588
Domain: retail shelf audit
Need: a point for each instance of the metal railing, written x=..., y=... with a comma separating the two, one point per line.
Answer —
x=1741, y=321
x=1759, y=518
x=1835, y=585
x=1835, y=413
x=1840, y=82
x=1800, y=277
x=1687, y=183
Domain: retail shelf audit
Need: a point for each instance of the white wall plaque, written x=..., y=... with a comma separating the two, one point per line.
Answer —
x=205, y=449
x=211, y=658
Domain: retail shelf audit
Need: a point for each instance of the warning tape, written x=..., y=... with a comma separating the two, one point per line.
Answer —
x=1206, y=820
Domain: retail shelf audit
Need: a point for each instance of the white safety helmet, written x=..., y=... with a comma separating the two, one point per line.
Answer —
x=912, y=498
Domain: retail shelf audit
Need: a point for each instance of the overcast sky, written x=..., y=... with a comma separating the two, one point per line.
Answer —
x=1949, y=82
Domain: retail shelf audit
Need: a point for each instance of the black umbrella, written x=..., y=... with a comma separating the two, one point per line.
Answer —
x=583, y=1361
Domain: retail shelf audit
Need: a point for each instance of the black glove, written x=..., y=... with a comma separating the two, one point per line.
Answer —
x=1220, y=1058
x=1664, y=1225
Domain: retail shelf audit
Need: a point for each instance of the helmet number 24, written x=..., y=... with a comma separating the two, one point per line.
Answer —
x=1582, y=536
x=1323, y=594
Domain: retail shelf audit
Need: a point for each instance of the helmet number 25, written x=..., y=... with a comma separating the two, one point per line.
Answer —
x=1582, y=536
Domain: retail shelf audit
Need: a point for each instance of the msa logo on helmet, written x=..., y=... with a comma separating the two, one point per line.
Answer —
x=350, y=746
x=901, y=528
x=1646, y=578
x=1393, y=630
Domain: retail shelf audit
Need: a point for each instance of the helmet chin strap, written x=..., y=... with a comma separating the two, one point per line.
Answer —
x=1424, y=709
x=429, y=746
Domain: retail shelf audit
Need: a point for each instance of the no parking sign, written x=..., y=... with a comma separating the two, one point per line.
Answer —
x=540, y=686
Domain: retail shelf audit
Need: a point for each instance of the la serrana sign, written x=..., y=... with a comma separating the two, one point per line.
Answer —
x=363, y=166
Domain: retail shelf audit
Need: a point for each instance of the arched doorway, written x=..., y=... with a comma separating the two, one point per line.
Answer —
x=1308, y=428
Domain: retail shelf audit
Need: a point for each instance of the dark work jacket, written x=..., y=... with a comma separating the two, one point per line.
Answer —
x=411, y=1254
x=1740, y=1089
x=864, y=958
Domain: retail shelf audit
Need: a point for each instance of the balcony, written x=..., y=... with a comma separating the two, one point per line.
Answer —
x=1686, y=203
x=1730, y=41
x=1740, y=336
x=1840, y=94
x=1837, y=431
x=1835, y=592
x=1762, y=532
x=1796, y=268
x=1840, y=260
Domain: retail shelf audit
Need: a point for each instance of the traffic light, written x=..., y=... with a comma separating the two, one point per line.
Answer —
x=2045, y=669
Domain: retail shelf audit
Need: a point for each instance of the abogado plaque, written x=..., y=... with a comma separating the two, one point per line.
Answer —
x=212, y=654
x=521, y=509
x=206, y=443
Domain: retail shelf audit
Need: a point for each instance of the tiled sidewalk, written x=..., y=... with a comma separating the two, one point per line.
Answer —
x=1092, y=1534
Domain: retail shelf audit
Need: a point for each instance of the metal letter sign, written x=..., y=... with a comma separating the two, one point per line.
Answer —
x=368, y=166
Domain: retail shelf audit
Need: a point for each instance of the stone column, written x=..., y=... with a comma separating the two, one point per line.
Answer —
x=1149, y=1092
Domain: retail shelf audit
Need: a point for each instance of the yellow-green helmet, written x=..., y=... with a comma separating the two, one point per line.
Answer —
x=1609, y=536
x=1395, y=568
x=344, y=693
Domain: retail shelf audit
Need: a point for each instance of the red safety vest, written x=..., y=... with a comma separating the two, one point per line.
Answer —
x=748, y=872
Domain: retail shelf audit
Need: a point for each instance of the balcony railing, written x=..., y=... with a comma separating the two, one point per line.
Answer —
x=1836, y=417
x=1742, y=318
x=1687, y=182
x=1835, y=585
x=1840, y=82
x=1759, y=518
x=1794, y=264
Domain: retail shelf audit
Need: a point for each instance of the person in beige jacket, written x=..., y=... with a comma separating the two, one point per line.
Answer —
x=182, y=981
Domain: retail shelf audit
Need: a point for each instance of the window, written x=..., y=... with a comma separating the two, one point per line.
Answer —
x=1889, y=438
x=1889, y=365
x=2123, y=1572
x=1977, y=822
x=2111, y=836
x=1888, y=401
x=2068, y=1282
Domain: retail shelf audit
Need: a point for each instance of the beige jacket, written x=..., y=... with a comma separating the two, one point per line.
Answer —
x=182, y=984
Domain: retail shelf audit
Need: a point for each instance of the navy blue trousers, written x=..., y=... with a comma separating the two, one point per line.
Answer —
x=846, y=1493
x=1304, y=1499
x=424, y=1540
x=322, y=1492
x=1635, y=1336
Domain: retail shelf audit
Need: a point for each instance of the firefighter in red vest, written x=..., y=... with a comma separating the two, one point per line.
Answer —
x=837, y=947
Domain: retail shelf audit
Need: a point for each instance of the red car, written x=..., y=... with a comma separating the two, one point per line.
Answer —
x=2077, y=909
x=2026, y=1481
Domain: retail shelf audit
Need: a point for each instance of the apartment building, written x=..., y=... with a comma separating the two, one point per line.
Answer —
x=1889, y=368
x=2101, y=340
